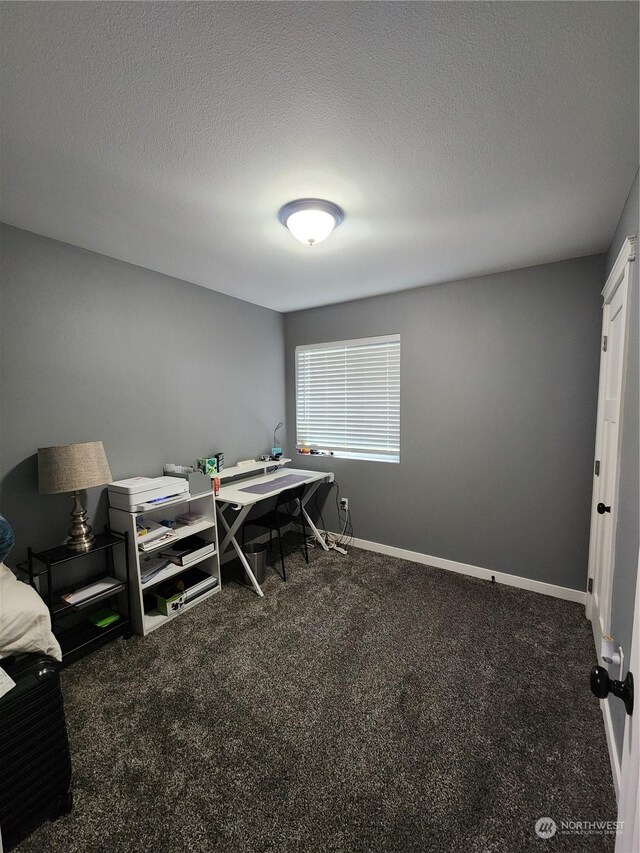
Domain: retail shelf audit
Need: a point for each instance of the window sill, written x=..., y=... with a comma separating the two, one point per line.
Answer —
x=344, y=454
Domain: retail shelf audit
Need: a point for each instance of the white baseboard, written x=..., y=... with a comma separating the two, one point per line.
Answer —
x=551, y=589
x=611, y=746
x=473, y=571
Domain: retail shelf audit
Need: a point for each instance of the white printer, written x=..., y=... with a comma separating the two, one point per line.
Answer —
x=139, y=494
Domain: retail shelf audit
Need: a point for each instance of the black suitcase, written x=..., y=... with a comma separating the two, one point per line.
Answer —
x=35, y=764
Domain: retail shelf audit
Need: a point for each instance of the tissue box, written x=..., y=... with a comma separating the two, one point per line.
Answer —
x=208, y=465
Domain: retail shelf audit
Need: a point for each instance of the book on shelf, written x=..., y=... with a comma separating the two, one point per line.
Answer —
x=187, y=550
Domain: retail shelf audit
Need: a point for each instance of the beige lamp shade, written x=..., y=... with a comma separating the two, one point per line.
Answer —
x=71, y=467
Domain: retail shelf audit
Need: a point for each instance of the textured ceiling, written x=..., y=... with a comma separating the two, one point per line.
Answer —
x=460, y=138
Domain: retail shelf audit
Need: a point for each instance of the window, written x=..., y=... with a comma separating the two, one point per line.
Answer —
x=348, y=398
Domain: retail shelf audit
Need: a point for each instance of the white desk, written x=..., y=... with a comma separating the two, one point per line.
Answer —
x=252, y=467
x=233, y=496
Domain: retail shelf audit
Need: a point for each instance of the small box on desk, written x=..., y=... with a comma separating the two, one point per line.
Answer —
x=199, y=483
x=208, y=465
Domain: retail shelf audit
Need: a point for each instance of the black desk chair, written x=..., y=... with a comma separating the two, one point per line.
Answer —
x=279, y=517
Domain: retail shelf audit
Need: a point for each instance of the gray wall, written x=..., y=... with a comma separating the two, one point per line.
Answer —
x=626, y=557
x=499, y=383
x=158, y=369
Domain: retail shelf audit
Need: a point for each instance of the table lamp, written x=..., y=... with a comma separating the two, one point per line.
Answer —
x=70, y=468
x=276, y=452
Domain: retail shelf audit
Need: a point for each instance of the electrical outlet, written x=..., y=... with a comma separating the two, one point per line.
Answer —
x=344, y=504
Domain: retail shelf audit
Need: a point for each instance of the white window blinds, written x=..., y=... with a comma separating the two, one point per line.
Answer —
x=348, y=397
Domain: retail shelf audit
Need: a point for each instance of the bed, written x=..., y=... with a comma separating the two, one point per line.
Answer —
x=25, y=623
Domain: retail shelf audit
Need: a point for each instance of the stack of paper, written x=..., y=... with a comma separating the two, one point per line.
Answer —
x=89, y=591
x=151, y=535
x=151, y=566
x=158, y=541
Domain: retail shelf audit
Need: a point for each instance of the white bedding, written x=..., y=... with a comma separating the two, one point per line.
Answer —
x=25, y=624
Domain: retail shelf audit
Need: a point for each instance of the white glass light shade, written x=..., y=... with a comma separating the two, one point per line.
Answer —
x=311, y=220
x=311, y=226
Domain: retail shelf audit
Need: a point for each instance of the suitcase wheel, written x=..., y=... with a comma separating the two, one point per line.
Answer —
x=62, y=805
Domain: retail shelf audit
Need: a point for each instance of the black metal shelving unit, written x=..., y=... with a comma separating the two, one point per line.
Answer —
x=81, y=636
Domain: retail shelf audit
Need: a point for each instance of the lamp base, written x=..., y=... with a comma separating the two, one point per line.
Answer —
x=81, y=536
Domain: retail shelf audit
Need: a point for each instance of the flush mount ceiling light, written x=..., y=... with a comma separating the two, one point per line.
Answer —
x=310, y=220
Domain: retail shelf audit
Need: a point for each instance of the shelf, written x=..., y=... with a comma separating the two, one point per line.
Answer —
x=65, y=608
x=75, y=641
x=154, y=619
x=205, y=528
x=62, y=554
x=172, y=570
x=191, y=529
x=71, y=625
x=181, y=532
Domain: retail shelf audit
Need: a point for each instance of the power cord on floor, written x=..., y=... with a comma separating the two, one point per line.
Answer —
x=342, y=540
x=330, y=542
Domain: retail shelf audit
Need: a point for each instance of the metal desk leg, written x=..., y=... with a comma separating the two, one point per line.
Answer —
x=230, y=539
x=315, y=531
x=243, y=512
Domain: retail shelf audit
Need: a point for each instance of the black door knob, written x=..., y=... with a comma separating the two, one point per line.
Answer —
x=602, y=508
x=602, y=685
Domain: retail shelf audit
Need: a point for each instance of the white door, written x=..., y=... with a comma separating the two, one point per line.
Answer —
x=629, y=806
x=607, y=460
